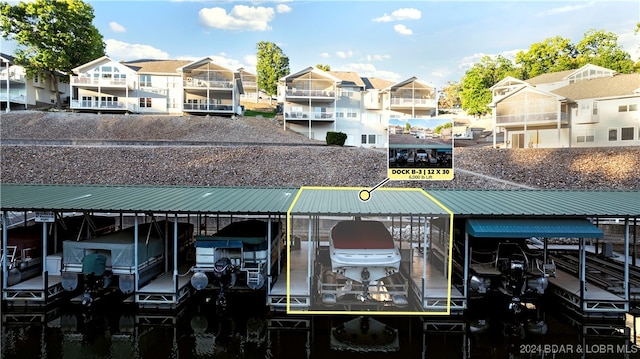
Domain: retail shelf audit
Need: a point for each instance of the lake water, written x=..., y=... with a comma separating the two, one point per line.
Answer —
x=244, y=330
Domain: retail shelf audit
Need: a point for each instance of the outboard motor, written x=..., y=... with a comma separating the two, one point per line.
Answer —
x=95, y=276
x=224, y=274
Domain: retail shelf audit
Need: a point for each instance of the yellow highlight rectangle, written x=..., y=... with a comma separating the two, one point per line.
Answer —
x=358, y=192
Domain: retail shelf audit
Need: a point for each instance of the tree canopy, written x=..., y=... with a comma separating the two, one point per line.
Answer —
x=474, y=89
x=601, y=48
x=323, y=67
x=598, y=47
x=272, y=65
x=52, y=36
x=551, y=55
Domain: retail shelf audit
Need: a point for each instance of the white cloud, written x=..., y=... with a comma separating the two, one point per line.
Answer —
x=119, y=50
x=115, y=27
x=400, y=14
x=241, y=17
x=565, y=9
x=344, y=55
x=282, y=8
x=250, y=60
x=378, y=57
x=325, y=55
x=402, y=30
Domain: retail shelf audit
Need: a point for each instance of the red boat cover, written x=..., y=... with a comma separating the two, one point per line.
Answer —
x=361, y=235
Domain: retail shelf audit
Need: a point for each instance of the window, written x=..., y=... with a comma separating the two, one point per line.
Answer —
x=613, y=134
x=145, y=101
x=370, y=139
x=145, y=80
x=352, y=113
x=340, y=113
x=626, y=134
x=633, y=107
x=595, y=108
x=622, y=108
x=586, y=135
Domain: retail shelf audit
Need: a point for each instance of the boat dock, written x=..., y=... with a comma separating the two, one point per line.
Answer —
x=436, y=234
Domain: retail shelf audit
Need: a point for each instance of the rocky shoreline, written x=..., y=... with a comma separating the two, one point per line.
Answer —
x=262, y=153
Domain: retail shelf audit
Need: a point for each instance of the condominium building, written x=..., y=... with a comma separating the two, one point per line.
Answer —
x=156, y=86
x=20, y=92
x=316, y=102
x=588, y=107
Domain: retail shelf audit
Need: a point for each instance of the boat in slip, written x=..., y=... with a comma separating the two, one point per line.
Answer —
x=365, y=262
x=363, y=250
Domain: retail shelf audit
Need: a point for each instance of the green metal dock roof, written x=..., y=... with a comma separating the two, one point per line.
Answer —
x=146, y=199
x=567, y=203
x=320, y=200
x=382, y=201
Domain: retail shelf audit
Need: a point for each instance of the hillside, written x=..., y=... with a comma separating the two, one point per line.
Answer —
x=258, y=152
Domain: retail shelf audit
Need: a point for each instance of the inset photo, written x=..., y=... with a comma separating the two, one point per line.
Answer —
x=420, y=149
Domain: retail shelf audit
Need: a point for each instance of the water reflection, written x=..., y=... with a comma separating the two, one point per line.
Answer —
x=244, y=330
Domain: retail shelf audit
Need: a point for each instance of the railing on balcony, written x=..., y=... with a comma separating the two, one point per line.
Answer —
x=203, y=83
x=320, y=116
x=19, y=96
x=409, y=101
x=249, y=83
x=101, y=105
x=12, y=77
x=207, y=107
x=310, y=93
x=103, y=82
x=531, y=118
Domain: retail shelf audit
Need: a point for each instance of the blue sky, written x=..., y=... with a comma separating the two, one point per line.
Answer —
x=435, y=41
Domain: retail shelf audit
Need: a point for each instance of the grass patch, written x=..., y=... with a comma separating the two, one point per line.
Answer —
x=252, y=113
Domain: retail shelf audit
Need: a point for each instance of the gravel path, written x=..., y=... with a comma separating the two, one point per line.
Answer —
x=263, y=154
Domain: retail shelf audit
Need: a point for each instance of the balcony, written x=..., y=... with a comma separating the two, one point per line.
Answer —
x=319, y=93
x=305, y=116
x=543, y=118
x=207, y=84
x=100, y=82
x=12, y=77
x=17, y=96
x=406, y=102
x=101, y=105
x=213, y=108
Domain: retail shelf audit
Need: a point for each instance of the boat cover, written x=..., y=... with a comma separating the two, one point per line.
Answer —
x=94, y=263
x=252, y=233
x=121, y=245
x=361, y=235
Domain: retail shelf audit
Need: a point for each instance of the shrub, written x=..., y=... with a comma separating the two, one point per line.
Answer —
x=336, y=138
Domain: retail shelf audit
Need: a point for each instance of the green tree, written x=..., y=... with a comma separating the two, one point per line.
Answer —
x=53, y=36
x=439, y=128
x=272, y=65
x=449, y=96
x=323, y=67
x=601, y=48
x=552, y=55
x=475, y=95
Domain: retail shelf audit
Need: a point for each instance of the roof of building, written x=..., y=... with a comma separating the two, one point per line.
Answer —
x=618, y=85
x=156, y=66
x=319, y=200
x=550, y=77
x=348, y=77
x=376, y=83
